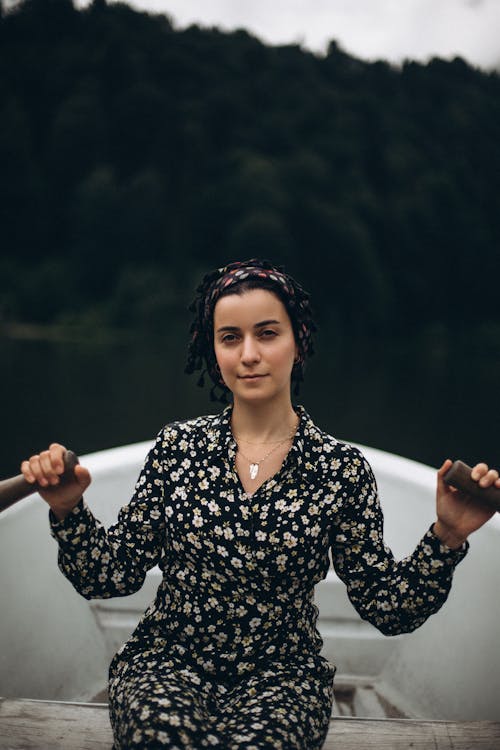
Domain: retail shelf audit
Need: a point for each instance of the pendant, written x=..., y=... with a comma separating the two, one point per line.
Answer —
x=254, y=470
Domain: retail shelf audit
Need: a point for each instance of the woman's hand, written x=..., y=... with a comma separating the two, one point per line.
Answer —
x=459, y=514
x=46, y=469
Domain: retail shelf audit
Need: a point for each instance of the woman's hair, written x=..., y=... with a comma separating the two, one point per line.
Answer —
x=237, y=278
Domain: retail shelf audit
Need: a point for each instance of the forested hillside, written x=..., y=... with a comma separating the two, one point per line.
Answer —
x=134, y=155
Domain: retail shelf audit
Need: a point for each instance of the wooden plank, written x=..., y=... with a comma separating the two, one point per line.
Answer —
x=48, y=725
x=366, y=703
x=401, y=734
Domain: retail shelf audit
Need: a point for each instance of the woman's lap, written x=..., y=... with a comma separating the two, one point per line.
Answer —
x=279, y=707
x=169, y=705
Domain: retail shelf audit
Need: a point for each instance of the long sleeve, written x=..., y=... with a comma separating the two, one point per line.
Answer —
x=102, y=564
x=396, y=597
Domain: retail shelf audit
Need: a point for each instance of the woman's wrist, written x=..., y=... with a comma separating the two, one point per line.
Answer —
x=449, y=537
x=61, y=512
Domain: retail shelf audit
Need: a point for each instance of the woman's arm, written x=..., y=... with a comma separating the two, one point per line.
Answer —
x=100, y=563
x=394, y=596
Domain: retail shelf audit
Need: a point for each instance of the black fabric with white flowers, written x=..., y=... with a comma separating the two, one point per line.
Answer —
x=228, y=654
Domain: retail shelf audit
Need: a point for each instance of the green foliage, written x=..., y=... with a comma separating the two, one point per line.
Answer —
x=134, y=156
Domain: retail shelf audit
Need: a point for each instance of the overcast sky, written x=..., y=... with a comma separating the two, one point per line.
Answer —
x=370, y=29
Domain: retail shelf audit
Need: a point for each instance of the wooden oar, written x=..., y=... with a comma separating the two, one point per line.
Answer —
x=16, y=488
x=458, y=475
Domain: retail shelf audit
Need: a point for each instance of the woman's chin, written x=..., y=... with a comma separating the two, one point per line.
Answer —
x=258, y=392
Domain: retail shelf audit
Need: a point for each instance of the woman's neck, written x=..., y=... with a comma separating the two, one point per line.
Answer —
x=264, y=422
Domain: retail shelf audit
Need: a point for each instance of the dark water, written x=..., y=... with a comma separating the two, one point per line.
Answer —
x=427, y=399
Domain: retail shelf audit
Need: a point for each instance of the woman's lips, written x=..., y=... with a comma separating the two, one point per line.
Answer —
x=251, y=377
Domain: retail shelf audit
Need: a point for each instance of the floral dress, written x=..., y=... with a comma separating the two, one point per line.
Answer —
x=228, y=654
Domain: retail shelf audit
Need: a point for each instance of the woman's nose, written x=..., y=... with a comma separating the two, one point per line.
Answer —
x=250, y=352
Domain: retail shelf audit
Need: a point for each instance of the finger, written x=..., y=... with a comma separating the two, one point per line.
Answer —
x=488, y=479
x=478, y=471
x=47, y=468
x=27, y=473
x=37, y=471
x=444, y=468
x=57, y=452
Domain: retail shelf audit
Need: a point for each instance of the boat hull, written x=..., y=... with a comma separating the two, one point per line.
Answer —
x=56, y=645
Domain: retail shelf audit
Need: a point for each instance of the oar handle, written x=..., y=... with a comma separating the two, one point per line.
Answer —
x=16, y=488
x=458, y=475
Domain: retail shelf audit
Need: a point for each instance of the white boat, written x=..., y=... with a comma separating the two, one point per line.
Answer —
x=57, y=646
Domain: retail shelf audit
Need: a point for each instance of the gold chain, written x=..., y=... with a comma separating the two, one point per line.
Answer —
x=269, y=442
x=293, y=430
x=255, y=465
x=267, y=454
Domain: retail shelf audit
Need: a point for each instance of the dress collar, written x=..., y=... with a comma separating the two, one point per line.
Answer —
x=221, y=440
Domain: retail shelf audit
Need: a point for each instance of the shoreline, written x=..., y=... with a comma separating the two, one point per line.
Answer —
x=64, y=334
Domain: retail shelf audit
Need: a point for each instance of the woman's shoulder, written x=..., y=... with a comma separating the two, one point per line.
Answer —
x=191, y=428
x=343, y=464
x=327, y=443
x=335, y=457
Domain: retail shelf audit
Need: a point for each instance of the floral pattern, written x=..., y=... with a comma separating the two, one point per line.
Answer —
x=228, y=654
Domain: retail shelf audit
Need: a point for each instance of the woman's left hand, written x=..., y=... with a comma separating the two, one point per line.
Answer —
x=459, y=514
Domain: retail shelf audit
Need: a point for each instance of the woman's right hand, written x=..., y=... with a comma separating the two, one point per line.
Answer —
x=46, y=469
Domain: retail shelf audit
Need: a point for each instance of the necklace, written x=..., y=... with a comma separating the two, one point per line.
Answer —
x=254, y=466
x=269, y=442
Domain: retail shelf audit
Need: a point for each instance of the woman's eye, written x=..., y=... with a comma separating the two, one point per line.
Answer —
x=228, y=338
x=268, y=333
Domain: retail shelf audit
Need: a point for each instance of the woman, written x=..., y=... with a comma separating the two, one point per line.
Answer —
x=241, y=510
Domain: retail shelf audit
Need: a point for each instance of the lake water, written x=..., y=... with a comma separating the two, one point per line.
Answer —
x=427, y=399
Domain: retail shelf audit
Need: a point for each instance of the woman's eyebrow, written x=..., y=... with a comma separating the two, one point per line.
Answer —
x=227, y=328
x=266, y=323
x=256, y=325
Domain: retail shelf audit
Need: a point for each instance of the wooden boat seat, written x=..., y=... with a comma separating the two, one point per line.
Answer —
x=52, y=725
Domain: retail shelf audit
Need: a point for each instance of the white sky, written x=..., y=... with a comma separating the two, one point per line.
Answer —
x=370, y=29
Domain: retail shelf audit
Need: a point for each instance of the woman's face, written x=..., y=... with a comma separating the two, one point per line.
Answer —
x=254, y=344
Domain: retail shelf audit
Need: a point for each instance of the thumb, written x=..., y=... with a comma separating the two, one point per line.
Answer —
x=444, y=468
x=82, y=476
x=441, y=486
